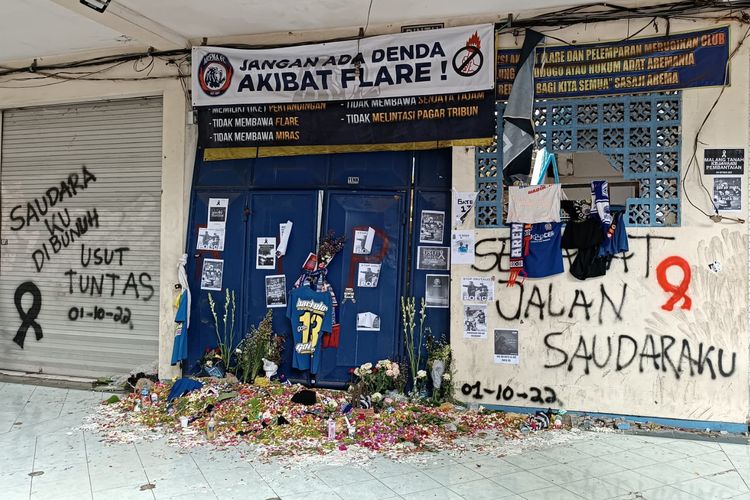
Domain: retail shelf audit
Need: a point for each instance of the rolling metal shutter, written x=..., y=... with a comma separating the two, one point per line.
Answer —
x=90, y=246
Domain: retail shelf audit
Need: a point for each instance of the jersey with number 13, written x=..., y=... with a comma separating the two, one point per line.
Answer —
x=310, y=314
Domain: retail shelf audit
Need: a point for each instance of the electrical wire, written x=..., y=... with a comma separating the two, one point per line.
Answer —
x=696, y=140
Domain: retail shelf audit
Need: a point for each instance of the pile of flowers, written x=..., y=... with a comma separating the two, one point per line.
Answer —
x=267, y=417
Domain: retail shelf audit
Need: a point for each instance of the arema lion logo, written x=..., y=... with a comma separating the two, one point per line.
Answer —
x=215, y=74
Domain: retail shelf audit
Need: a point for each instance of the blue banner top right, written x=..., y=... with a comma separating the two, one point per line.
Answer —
x=649, y=64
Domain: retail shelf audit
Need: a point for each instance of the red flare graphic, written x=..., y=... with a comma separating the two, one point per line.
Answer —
x=474, y=40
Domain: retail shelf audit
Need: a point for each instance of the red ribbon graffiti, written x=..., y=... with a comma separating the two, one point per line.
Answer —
x=678, y=292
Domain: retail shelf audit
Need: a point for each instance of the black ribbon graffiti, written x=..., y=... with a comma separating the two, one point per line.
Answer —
x=28, y=318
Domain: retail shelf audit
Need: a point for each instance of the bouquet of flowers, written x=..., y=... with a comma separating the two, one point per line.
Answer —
x=440, y=363
x=329, y=246
x=259, y=343
x=378, y=379
x=212, y=363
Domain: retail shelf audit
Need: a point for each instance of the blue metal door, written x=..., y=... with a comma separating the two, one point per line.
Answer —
x=268, y=209
x=346, y=212
x=202, y=331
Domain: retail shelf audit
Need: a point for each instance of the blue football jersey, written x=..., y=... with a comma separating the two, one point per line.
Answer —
x=311, y=314
x=545, y=253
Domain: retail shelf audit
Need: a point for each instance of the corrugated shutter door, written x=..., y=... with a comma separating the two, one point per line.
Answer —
x=90, y=246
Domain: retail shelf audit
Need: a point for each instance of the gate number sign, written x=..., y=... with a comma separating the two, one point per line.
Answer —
x=724, y=162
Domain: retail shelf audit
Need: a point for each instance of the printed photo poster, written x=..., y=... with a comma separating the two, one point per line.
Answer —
x=437, y=291
x=463, y=202
x=217, y=213
x=212, y=274
x=506, y=347
x=462, y=247
x=363, y=241
x=276, y=291
x=368, y=275
x=211, y=239
x=431, y=227
x=476, y=289
x=368, y=322
x=728, y=194
x=475, y=321
x=433, y=258
x=265, y=250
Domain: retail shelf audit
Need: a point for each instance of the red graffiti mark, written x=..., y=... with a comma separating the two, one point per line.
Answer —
x=678, y=292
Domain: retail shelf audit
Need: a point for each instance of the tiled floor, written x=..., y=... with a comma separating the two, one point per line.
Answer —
x=42, y=457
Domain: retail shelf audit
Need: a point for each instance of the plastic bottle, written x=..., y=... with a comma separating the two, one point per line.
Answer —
x=145, y=399
x=331, y=429
x=211, y=428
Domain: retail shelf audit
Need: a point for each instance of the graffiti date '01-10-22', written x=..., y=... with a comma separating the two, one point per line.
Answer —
x=534, y=394
x=121, y=316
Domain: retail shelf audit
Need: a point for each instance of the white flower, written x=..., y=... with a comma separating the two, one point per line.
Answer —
x=375, y=397
x=367, y=366
x=238, y=351
x=209, y=363
x=357, y=372
x=421, y=374
x=446, y=376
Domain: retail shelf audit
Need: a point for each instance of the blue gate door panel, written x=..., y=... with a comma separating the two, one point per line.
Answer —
x=385, y=169
x=385, y=213
x=202, y=333
x=230, y=173
x=438, y=319
x=267, y=211
x=291, y=172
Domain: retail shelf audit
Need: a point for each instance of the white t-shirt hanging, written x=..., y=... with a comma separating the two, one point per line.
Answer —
x=534, y=204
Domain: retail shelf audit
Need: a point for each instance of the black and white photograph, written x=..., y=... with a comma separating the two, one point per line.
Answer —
x=368, y=322
x=506, y=347
x=475, y=321
x=368, y=275
x=276, y=291
x=212, y=274
x=363, y=241
x=217, y=213
x=437, y=290
x=431, y=227
x=266, y=253
x=476, y=289
x=728, y=193
x=211, y=239
x=433, y=258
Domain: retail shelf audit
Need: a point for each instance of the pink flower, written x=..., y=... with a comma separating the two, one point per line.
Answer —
x=342, y=447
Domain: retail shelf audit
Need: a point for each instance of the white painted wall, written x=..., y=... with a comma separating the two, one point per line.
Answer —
x=177, y=141
x=718, y=316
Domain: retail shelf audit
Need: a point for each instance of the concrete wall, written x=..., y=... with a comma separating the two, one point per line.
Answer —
x=557, y=332
x=178, y=143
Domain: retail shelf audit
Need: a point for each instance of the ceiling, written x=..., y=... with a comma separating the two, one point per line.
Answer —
x=42, y=28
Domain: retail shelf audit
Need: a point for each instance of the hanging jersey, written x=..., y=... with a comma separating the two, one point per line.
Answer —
x=544, y=257
x=311, y=314
x=617, y=238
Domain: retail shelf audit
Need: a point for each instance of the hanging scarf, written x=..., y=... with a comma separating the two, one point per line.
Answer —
x=182, y=277
x=517, y=249
x=600, y=198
